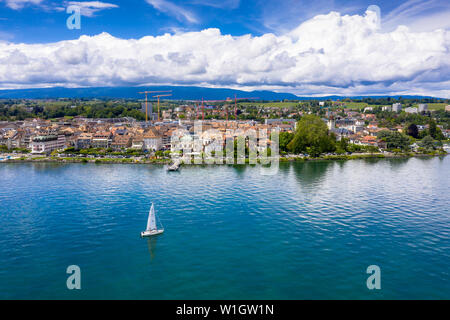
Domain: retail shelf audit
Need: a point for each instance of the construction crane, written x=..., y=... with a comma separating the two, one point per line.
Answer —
x=197, y=107
x=146, y=102
x=203, y=111
x=159, y=96
x=235, y=107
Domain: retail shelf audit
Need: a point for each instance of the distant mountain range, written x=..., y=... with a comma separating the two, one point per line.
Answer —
x=178, y=93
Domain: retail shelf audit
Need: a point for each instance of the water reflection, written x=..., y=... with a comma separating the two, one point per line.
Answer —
x=371, y=160
x=311, y=174
x=397, y=164
x=239, y=169
x=284, y=168
x=43, y=166
x=426, y=159
x=151, y=244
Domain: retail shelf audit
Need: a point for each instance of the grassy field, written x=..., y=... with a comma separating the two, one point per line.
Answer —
x=355, y=105
x=434, y=106
x=359, y=105
x=269, y=104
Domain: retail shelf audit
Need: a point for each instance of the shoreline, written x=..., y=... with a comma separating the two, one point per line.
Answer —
x=169, y=161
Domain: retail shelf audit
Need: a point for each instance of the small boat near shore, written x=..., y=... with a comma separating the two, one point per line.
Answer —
x=174, y=166
x=152, y=229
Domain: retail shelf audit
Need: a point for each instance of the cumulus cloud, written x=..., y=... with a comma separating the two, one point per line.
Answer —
x=328, y=54
x=19, y=4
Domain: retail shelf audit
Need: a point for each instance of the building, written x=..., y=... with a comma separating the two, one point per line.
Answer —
x=8, y=126
x=397, y=107
x=331, y=124
x=167, y=114
x=101, y=140
x=9, y=138
x=48, y=143
x=411, y=110
x=151, y=116
x=423, y=107
x=149, y=108
x=166, y=139
x=356, y=128
x=446, y=133
x=84, y=141
x=369, y=141
x=121, y=142
x=152, y=140
x=281, y=123
x=137, y=143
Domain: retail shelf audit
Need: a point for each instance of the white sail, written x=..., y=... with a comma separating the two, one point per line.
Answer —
x=151, y=222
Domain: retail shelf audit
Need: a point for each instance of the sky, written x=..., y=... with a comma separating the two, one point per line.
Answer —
x=309, y=48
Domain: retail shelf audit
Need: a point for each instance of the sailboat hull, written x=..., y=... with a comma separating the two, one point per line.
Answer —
x=151, y=233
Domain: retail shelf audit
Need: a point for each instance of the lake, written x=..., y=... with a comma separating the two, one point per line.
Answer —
x=308, y=232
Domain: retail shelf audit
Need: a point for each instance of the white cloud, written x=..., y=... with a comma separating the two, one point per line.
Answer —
x=281, y=16
x=19, y=4
x=419, y=15
x=223, y=4
x=6, y=35
x=328, y=54
x=173, y=10
x=89, y=8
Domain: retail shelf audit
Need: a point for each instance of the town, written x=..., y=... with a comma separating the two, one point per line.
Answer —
x=124, y=130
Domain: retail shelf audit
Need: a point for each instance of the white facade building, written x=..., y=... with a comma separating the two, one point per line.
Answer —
x=331, y=124
x=411, y=110
x=397, y=107
x=47, y=144
x=152, y=140
x=423, y=107
x=153, y=143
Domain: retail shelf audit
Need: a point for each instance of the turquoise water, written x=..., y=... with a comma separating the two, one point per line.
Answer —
x=308, y=232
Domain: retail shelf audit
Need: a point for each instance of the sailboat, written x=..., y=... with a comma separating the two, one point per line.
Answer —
x=151, y=230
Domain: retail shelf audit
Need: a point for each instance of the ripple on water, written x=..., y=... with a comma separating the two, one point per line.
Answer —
x=230, y=232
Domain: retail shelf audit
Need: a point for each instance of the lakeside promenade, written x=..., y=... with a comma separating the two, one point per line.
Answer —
x=18, y=158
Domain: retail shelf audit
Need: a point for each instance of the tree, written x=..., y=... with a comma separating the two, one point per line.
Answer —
x=434, y=131
x=394, y=139
x=285, y=138
x=342, y=145
x=412, y=131
x=312, y=136
x=427, y=143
